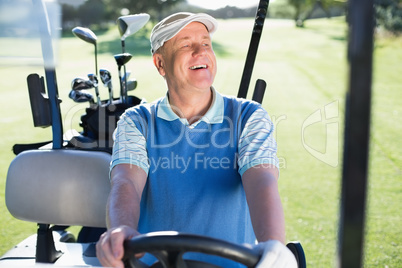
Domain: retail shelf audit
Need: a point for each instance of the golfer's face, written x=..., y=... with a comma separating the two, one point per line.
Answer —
x=189, y=58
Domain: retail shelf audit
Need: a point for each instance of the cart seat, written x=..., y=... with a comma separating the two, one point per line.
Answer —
x=62, y=187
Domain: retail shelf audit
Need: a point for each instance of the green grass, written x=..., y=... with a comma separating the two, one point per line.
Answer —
x=306, y=73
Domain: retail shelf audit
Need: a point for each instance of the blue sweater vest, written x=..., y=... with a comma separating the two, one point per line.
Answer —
x=193, y=182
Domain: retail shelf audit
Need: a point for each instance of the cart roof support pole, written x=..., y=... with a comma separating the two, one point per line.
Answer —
x=50, y=71
x=253, y=48
x=357, y=134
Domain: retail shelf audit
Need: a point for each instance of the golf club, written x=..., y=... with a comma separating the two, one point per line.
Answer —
x=79, y=96
x=80, y=83
x=127, y=26
x=88, y=36
x=94, y=79
x=106, y=78
x=126, y=76
x=121, y=60
x=131, y=85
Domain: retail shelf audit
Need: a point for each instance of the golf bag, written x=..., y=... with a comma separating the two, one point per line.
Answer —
x=98, y=124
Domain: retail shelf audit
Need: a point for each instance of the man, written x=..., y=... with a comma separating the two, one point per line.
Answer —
x=194, y=161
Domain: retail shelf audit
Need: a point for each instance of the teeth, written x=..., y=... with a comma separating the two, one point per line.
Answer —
x=203, y=66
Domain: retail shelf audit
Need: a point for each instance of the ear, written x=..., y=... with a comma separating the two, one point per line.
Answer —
x=159, y=63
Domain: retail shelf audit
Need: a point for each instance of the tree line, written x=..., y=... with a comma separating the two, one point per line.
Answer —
x=100, y=13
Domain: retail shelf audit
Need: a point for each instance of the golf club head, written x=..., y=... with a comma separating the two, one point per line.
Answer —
x=131, y=85
x=130, y=24
x=126, y=76
x=79, y=96
x=93, y=78
x=85, y=34
x=105, y=76
x=80, y=83
x=122, y=58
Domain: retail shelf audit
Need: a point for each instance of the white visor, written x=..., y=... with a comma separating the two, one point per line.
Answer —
x=172, y=25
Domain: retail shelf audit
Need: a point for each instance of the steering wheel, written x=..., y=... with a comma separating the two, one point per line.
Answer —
x=169, y=247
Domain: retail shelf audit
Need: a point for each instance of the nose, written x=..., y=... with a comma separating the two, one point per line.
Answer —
x=199, y=49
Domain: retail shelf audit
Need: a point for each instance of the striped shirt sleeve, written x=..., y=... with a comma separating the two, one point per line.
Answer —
x=129, y=145
x=257, y=144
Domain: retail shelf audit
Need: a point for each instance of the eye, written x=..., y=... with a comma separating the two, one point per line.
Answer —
x=206, y=44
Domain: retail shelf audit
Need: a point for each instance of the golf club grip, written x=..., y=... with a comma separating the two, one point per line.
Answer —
x=252, y=51
x=259, y=90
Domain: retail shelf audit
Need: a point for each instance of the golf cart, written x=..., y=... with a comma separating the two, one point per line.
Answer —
x=75, y=191
x=76, y=195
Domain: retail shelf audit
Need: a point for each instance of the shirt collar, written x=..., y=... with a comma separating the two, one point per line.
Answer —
x=214, y=115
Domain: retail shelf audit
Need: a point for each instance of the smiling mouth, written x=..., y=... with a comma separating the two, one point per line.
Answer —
x=198, y=67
